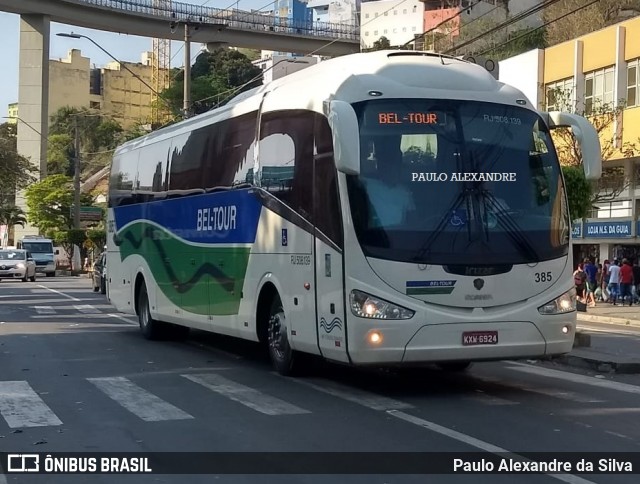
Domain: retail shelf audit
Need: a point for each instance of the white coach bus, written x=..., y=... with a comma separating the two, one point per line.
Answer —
x=385, y=208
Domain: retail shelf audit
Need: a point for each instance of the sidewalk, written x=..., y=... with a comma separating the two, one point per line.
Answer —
x=608, y=339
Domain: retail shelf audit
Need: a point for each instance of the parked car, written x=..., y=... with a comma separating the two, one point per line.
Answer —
x=17, y=264
x=100, y=274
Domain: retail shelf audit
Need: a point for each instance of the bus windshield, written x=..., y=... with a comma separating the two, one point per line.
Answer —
x=457, y=183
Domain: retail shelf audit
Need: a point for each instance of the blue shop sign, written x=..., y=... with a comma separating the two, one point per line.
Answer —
x=608, y=229
x=576, y=230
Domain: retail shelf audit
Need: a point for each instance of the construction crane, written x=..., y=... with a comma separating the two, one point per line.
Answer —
x=161, y=65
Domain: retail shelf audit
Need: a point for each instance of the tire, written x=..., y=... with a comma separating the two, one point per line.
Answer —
x=283, y=358
x=455, y=366
x=149, y=327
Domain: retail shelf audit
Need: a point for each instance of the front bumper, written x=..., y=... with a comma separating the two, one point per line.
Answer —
x=439, y=342
x=12, y=274
x=46, y=268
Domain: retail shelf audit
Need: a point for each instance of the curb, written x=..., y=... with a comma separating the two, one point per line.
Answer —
x=610, y=320
x=601, y=364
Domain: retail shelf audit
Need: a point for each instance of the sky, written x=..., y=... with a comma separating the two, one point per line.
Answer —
x=123, y=47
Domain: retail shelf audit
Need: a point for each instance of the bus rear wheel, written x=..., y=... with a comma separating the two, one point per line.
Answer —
x=283, y=358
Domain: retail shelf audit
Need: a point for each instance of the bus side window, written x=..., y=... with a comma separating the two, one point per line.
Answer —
x=286, y=158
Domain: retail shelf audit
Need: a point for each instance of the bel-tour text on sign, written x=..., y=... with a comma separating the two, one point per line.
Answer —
x=216, y=218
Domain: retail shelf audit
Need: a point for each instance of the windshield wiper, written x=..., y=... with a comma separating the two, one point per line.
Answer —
x=511, y=227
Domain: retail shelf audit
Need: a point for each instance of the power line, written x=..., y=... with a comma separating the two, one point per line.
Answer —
x=538, y=28
x=522, y=15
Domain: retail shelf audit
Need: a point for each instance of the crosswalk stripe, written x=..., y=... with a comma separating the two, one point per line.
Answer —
x=550, y=392
x=355, y=395
x=22, y=407
x=86, y=308
x=44, y=309
x=137, y=400
x=245, y=395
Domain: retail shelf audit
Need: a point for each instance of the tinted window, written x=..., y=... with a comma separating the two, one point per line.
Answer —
x=152, y=167
x=286, y=158
x=327, y=202
x=188, y=155
x=123, y=174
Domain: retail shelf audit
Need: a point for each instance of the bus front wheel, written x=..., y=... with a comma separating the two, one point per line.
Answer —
x=149, y=327
x=455, y=366
x=282, y=356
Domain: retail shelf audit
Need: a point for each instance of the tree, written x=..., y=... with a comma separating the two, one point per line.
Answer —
x=68, y=239
x=50, y=203
x=595, y=17
x=10, y=215
x=60, y=155
x=16, y=172
x=96, y=239
x=215, y=77
x=381, y=44
x=579, y=191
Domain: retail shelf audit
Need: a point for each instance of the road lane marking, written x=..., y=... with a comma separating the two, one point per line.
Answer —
x=123, y=318
x=44, y=309
x=354, y=395
x=550, y=392
x=137, y=400
x=477, y=443
x=59, y=293
x=574, y=378
x=22, y=407
x=245, y=395
x=86, y=309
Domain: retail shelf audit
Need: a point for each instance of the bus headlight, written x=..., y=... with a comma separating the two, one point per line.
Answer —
x=560, y=305
x=367, y=306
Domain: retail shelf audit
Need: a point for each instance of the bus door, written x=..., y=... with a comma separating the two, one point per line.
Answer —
x=329, y=276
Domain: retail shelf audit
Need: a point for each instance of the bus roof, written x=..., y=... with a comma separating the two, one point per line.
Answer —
x=390, y=73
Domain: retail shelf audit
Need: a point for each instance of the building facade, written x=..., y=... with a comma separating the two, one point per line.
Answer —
x=275, y=65
x=595, y=73
x=399, y=23
x=111, y=89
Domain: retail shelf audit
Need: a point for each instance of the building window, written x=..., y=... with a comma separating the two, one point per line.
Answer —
x=395, y=12
x=413, y=29
x=633, y=83
x=619, y=208
x=560, y=95
x=375, y=32
x=94, y=104
x=385, y=14
x=404, y=29
x=366, y=34
x=385, y=31
x=598, y=90
x=366, y=15
x=395, y=31
x=404, y=11
x=377, y=14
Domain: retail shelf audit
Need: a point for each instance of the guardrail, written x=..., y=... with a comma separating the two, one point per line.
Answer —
x=236, y=19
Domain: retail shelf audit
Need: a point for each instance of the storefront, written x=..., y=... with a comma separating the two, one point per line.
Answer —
x=605, y=240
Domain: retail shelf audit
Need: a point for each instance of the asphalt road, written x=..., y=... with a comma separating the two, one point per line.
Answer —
x=77, y=377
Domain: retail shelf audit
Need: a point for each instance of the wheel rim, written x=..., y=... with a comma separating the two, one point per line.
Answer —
x=278, y=335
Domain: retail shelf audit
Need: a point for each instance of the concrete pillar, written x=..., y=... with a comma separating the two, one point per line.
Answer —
x=33, y=100
x=578, y=76
x=620, y=84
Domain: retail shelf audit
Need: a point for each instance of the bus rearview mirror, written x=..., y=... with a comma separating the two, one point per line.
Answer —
x=346, y=137
x=587, y=138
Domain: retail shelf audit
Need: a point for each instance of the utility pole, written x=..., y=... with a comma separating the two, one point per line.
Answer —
x=76, y=177
x=186, y=107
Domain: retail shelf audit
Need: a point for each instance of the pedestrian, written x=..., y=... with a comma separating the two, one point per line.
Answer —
x=626, y=281
x=614, y=281
x=636, y=280
x=580, y=279
x=591, y=284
